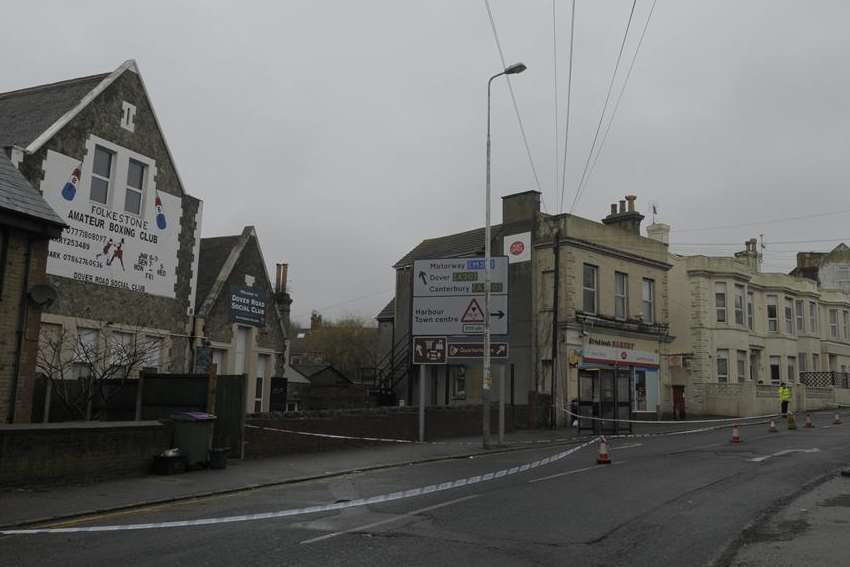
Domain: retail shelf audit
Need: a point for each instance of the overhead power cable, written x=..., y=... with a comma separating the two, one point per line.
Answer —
x=555, y=97
x=773, y=221
x=513, y=96
x=620, y=96
x=569, y=96
x=604, y=107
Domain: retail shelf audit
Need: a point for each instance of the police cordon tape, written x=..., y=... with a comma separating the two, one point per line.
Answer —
x=671, y=422
x=399, y=495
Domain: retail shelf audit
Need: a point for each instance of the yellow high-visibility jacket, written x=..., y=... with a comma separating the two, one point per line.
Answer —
x=784, y=394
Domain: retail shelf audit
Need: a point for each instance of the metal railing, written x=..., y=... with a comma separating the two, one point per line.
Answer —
x=825, y=379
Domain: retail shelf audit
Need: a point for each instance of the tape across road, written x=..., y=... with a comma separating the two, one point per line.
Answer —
x=399, y=495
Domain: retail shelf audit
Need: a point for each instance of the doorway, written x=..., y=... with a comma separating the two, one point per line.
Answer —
x=605, y=394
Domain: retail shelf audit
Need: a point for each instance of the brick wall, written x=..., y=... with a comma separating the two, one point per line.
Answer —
x=11, y=303
x=78, y=452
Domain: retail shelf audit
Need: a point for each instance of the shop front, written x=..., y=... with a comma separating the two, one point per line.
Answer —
x=618, y=379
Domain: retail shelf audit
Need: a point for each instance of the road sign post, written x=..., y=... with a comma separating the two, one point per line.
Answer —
x=463, y=297
x=427, y=351
x=422, y=372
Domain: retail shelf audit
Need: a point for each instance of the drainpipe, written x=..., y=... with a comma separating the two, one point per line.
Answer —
x=23, y=313
x=556, y=249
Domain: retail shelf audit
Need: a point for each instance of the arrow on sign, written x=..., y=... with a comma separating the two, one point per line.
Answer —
x=498, y=314
x=423, y=278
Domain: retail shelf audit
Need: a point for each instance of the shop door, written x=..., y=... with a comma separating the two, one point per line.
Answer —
x=605, y=394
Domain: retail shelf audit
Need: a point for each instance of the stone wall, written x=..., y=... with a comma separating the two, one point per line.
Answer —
x=62, y=453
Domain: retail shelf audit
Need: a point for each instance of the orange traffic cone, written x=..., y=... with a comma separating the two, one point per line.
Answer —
x=736, y=434
x=837, y=420
x=772, y=427
x=603, y=458
x=808, y=424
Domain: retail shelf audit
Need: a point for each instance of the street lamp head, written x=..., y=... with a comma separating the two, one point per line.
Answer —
x=515, y=69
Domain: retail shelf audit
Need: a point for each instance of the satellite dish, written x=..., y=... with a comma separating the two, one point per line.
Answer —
x=43, y=294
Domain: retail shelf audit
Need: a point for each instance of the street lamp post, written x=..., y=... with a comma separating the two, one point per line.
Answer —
x=487, y=379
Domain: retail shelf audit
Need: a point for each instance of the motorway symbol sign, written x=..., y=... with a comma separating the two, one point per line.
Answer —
x=458, y=276
x=476, y=350
x=429, y=350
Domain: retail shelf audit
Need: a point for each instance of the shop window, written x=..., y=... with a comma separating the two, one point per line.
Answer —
x=648, y=293
x=101, y=175
x=775, y=369
x=621, y=295
x=590, y=283
x=741, y=366
x=720, y=301
x=722, y=365
x=739, y=305
x=772, y=314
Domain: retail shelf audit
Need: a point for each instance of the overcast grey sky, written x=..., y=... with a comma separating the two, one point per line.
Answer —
x=347, y=132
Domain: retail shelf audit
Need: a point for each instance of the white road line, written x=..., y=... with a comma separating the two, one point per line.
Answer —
x=390, y=520
x=781, y=453
x=632, y=446
x=574, y=471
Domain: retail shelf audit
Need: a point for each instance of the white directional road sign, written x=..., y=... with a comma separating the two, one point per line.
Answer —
x=448, y=296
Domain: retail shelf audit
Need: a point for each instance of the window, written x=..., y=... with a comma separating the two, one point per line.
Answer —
x=844, y=277
x=153, y=354
x=722, y=365
x=847, y=324
x=128, y=116
x=621, y=295
x=742, y=366
x=833, y=323
x=815, y=361
x=750, y=310
x=122, y=351
x=590, y=280
x=755, y=363
x=292, y=407
x=218, y=359
x=262, y=368
x=792, y=369
x=802, y=357
x=458, y=382
x=801, y=320
x=775, y=371
x=548, y=289
x=772, y=314
x=813, y=317
x=101, y=175
x=739, y=305
x=789, y=316
x=648, y=300
x=720, y=301
x=135, y=185
x=243, y=335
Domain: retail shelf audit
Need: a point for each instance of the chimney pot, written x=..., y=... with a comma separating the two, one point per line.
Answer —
x=280, y=278
x=622, y=206
x=631, y=200
x=613, y=208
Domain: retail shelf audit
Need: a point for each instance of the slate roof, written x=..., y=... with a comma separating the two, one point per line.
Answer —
x=388, y=312
x=212, y=256
x=27, y=113
x=469, y=243
x=19, y=197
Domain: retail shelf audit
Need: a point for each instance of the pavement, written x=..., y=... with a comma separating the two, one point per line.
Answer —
x=665, y=500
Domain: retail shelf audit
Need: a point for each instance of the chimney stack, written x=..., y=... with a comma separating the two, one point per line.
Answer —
x=750, y=255
x=659, y=231
x=280, y=279
x=281, y=296
x=627, y=219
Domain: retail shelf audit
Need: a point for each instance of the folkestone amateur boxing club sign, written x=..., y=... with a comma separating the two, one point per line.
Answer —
x=103, y=244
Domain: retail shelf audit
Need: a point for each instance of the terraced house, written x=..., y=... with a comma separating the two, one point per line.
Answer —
x=740, y=332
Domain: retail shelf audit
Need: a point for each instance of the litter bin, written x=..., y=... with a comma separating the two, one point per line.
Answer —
x=218, y=457
x=193, y=435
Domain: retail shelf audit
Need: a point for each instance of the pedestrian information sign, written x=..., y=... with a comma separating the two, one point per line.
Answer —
x=448, y=296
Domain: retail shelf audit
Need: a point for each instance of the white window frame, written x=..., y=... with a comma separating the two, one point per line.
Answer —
x=834, y=330
x=803, y=361
x=592, y=288
x=722, y=366
x=741, y=363
x=815, y=361
x=792, y=369
x=773, y=322
x=130, y=189
x=846, y=319
x=113, y=162
x=740, y=294
x=721, y=305
x=750, y=310
x=788, y=310
x=648, y=303
x=770, y=364
x=121, y=157
x=800, y=316
x=813, y=317
x=621, y=300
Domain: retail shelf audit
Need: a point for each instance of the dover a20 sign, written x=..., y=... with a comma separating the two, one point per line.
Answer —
x=448, y=296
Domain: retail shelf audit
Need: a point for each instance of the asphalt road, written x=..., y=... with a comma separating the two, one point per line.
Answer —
x=678, y=500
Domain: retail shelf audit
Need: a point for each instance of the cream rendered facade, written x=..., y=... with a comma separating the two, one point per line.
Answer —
x=608, y=324
x=733, y=324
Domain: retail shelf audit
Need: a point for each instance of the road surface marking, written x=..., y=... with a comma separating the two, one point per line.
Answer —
x=303, y=511
x=632, y=446
x=781, y=453
x=390, y=520
x=574, y=471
